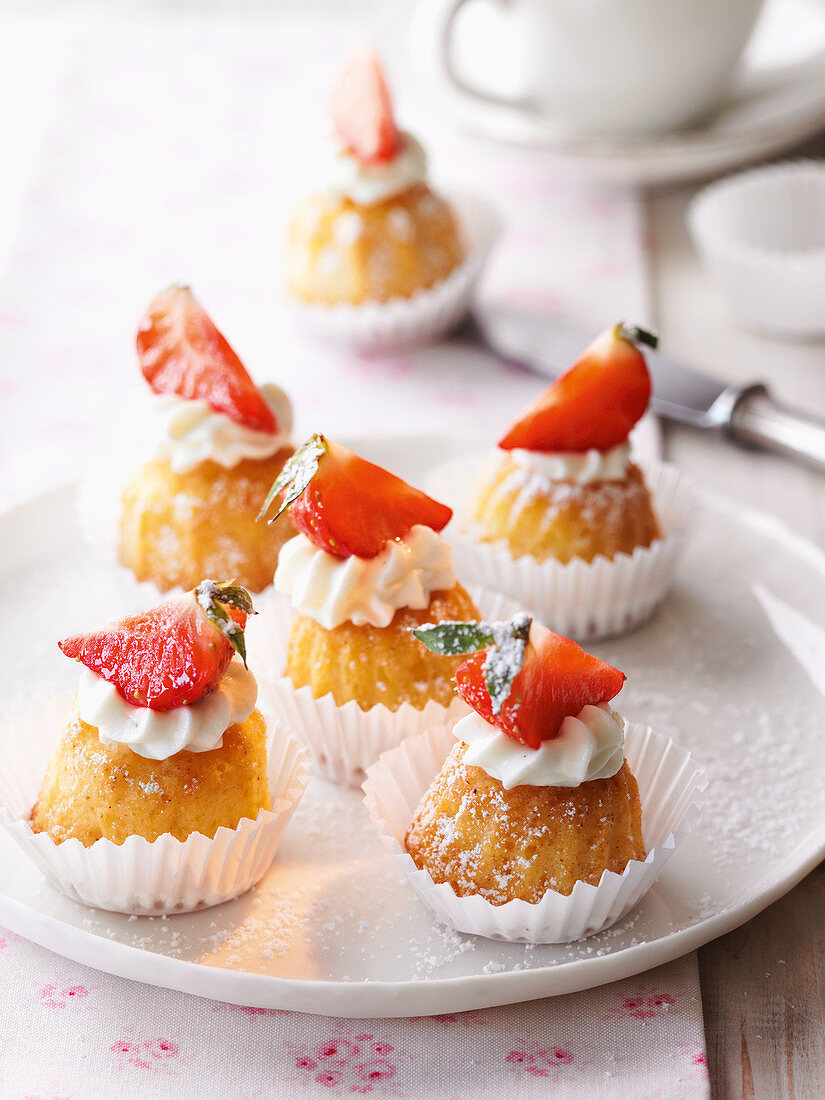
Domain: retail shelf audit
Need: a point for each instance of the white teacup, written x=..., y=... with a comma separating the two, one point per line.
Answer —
x=616, y=68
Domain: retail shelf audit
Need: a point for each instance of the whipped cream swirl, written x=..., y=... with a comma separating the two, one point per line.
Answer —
x=589, y=746
x=187, y=432
x=364, y=591
x=342, y=174
x=159, y=734
x=581, y=467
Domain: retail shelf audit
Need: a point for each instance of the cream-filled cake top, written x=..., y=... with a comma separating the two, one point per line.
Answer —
x=363, y=591
x=541, y=716
x=367, y=159
x=159, y=734
x=579, y=467
x=186, y=432
x=203, y=404
x=368, y=542
x=339, y=172
x=589, y=746
x=170, y=679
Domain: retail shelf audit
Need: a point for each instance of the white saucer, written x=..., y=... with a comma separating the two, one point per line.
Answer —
x=776, y=102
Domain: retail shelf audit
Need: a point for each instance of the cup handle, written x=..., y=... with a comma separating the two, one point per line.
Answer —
x=444, y=15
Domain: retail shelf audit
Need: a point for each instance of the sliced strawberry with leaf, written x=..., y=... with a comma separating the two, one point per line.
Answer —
x=595, y=403
x=526, y=680
x=361, y=110
x=174, y=654
x=346, y=505
x=181, y=351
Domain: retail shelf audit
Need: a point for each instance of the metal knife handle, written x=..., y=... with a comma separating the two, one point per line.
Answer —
x=758, y=420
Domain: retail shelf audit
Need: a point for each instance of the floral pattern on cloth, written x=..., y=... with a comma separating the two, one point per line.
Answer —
x=641, y=1037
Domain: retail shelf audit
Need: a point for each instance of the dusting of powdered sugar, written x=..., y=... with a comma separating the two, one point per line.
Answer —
x=505, y=657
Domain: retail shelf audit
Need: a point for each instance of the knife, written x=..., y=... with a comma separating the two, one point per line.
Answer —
x=746, y=414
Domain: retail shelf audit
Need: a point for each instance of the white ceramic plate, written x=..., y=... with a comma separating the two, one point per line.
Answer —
x=334, y=927
x=775, y=103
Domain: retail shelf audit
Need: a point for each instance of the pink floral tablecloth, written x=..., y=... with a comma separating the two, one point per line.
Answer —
x=172, y=149
x=74, y=1033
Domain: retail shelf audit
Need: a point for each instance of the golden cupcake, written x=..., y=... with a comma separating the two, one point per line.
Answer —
x=217, y=442
x=375, y=230
x=562, y=485
x=163, y=736
x=367, y=565
x=536, y=795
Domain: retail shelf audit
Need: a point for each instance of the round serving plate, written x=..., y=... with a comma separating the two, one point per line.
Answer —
x=730, y=665
x=776, y=101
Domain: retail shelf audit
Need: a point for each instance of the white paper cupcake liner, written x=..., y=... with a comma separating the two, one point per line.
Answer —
x=670, y=786
x=761, y=234
x=582, y=600
x=164, y=876
x=404, y=322
x=344, y=740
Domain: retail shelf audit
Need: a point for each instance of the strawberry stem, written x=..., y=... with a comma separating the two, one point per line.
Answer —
x=505, y=658
x=637, y=335
x=296, y=475
x=506, y=643
x=211, y=595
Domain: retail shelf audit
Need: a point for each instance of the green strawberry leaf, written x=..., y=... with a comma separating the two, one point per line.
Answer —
x=297, y=473
x=450, y=638
x=211, y=595
x=505, y=642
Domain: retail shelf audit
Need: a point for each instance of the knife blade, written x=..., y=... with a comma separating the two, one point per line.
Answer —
x=747, y=414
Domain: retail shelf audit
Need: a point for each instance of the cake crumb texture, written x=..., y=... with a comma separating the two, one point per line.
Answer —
x=519, y=843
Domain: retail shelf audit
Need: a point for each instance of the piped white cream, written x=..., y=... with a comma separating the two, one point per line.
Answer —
x=341, y=173
x=159, y=734
x=186, y=432
x=362, y=591
x=589, y=746
x=581, y=467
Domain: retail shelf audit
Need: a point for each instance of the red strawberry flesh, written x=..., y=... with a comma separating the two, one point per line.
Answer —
x=361, y=110
x=167, y=657
x=353, y=507
x=594, y=404
x=557, y=678
x=181, y=351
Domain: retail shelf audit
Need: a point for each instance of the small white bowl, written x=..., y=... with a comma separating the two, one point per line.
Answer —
x=761, y=234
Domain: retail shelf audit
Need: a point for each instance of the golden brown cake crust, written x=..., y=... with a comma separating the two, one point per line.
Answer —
x=176, y=529
x=338, y=251
x=91, y=791
x=567, y=520
x=373, y=664
x=482, y=839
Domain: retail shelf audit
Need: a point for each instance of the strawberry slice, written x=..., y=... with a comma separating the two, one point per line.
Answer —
x=348, y=506
x=595, y=403
x=181, y=351
x=556, y=679
x=522, y=678
x=361, y=110
x=173, y=654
